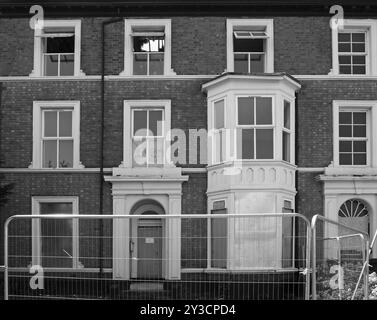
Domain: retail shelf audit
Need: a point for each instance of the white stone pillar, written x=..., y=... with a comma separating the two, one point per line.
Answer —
x=330, y=247
x=121, y=227
x=173, y=233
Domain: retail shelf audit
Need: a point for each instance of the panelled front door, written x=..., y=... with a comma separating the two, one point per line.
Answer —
x=149, y=251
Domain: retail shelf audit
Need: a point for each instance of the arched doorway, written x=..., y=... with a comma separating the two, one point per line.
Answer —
x=146, y=244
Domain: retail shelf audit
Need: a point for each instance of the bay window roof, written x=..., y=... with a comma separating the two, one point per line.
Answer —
x=276, y=76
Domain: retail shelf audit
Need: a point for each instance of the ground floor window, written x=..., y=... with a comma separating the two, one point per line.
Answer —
x=55, y=242
x=219, y=236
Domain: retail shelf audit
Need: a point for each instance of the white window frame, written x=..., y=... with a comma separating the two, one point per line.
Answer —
x=269, y=54
x=129, y=105
x=357, y=25
x=290, y=131
x=209, y=238
x=357, y=105
x=38, y=56
x=36, y=230
x=38, y=107
x=223, y=131
x=128, y=44
x=256, y=126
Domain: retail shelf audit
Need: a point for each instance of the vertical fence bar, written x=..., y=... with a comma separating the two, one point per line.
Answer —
x=314, y=257
x=308, y=267
x=6, y=285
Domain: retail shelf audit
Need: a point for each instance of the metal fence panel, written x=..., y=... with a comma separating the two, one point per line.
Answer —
x=340, y=258
x=216, y=256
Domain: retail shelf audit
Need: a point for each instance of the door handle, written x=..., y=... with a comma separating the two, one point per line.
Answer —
x=131, y=244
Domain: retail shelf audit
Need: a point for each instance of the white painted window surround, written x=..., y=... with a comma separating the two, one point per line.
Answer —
x=36, y=227
x=38, y=107
x=76, y=24
x=354, y=105
x=128, y=44
x=269, y=29
x=368, y=26
x=129, y=105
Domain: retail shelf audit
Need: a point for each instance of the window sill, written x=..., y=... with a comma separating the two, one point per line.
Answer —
x=351, y=171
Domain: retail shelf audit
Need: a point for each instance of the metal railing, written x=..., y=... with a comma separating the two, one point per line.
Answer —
x=340, y=256
x=197, y=256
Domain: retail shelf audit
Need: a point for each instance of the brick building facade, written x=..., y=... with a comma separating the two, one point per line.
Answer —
x=300, y=71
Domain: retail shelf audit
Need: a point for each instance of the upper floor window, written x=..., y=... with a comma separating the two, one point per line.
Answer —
x=56, y=127
x=353, y=48
x=148, y=128
x=219, y=131
x=147, y=47
x=148, y=53
x=352, y=51
x=57, y=49
x=146, y=125
x=250, y=45
x=251, y=119
x=255, y=128
x=353, y=137
x=354, y=132
x=287, y=131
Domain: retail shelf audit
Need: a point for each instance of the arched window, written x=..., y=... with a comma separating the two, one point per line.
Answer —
x=354, y=213
x=353, y=208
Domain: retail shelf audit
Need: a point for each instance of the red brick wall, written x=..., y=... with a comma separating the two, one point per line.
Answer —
x=314, y=108
x=86, y=187
x=302, y=45
x=189, y=110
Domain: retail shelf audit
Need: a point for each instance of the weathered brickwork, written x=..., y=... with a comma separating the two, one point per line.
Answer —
x=314, y=109
x=198, y=45
x=85, y=186
x=189, y=111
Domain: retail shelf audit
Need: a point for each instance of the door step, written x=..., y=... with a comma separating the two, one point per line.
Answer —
x=146, y=286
